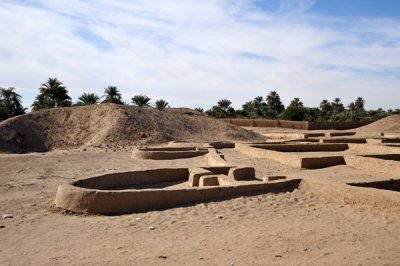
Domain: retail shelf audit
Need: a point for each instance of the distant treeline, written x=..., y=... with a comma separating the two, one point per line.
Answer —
x=272, y=108
x=54, y=94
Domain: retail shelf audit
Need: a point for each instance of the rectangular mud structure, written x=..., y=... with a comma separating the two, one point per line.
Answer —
x=303, y=147
x=297, y=155
x=386, y=163
x=343, y=140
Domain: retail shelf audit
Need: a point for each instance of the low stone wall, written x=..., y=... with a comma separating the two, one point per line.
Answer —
x=304, y=125
x=293, y=124
x=337, y=125
x=286, y=135
x=215, y=159
x=124, y=179
x=265, y=123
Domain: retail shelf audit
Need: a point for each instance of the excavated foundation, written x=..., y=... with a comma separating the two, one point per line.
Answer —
x=168, y=153
x=339, y=134
x=386, y=163
x=306, y=156
x=390, y=157
x=287, y=148
x=343, y=140
x=139, y=191
x=216, y=144
x=393, y=184
x=386, y=195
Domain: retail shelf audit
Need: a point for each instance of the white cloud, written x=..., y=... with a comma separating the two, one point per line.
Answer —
x=189, y=52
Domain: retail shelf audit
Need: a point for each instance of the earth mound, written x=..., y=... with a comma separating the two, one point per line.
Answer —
x=114, y=126
x=387, y=124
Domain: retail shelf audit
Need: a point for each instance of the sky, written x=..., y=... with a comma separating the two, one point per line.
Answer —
x=194, y=53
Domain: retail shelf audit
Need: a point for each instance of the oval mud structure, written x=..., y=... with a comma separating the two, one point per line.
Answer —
x=139, y=191
x=168, y=153
x=215, y=144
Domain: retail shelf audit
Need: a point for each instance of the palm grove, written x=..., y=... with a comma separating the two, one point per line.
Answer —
x=53, y=94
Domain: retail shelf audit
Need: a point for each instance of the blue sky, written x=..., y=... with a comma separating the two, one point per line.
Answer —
x=193, y=53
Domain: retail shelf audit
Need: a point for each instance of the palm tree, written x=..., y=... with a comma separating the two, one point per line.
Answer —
x=257, y=101
x=141, y=100
x=352, y=107
x=161, y=104
x=112, y=95
x=255, y=108
x=10, y=103
x=54, y=89
x=296, y=102
x=199, y=109
x=359, y=104
x=223, y=109
x=42, y=102
x=337, y=105
x=326, y=108
x=274, y=103
x=224, y=104
x=88, y=99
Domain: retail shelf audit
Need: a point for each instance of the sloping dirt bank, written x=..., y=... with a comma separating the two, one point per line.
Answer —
x=114, y=125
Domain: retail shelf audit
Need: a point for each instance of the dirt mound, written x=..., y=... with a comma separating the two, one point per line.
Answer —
x=387, y=124
x=114, y=126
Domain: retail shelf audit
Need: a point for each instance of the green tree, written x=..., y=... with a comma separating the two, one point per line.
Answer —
x=255, y=108
x=141, y=100
x=223, y=109
x=326, y=109
x=294, y=113
x=56, y=91
x=376, y=114
x=112, y=95
x=161, y=104
x=275, y=104
x=296, y=102
x=224, y=104
x=10, y=103
x=359, y=104
x=352, y=107
x=337, y=105
x=43, y=102
x=88, y=99
x=312, y=114
x=199, y=109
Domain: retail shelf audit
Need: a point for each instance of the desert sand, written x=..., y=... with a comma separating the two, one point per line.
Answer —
x=298, y=228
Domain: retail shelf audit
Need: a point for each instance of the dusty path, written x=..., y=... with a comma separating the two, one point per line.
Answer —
x=279, y=229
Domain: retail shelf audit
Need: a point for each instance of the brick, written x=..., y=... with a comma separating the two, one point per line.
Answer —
x=242, y=173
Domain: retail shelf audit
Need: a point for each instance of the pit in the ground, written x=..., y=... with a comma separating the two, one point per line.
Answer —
x=392, y=184
x=303, y=147
x=390, y=157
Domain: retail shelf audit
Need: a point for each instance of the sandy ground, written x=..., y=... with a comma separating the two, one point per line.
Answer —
x=271, y=229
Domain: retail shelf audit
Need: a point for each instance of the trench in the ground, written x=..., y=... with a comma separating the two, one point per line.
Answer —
x=392, y=184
